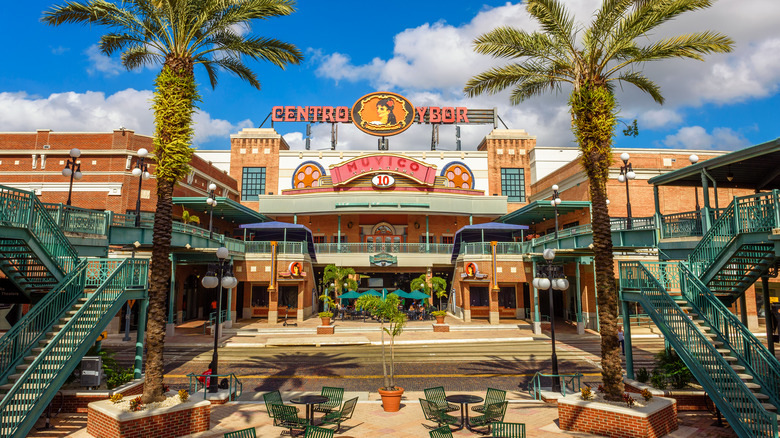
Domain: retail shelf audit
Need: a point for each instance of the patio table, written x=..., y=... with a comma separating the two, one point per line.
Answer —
x=464, y=400
x=309, y=401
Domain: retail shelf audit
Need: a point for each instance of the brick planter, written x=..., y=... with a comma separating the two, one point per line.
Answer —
x=656, y=419
x=687, y=400
x=106, y=421
x=326, y=329
x=77, y=400
x=441, y=328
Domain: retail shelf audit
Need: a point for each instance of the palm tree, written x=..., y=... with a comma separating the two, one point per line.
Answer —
x=611, y=50
x=178, y=35
x=437, y=285
x=338, y=277
x=189, y=218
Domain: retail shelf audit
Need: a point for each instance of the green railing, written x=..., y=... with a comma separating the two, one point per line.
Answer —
x=744, y=412
x=375, y=248
x=684, y=224
x=29, y=395
x=201, y=381
x=569, y=383
x=264, y=247
x=764, y=367
x=24, y=335
x=746, y=214
x=21, y=208
x=79, y=220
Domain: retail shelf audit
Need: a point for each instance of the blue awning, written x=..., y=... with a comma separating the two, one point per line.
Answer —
x=486, y=232
x=282, y=231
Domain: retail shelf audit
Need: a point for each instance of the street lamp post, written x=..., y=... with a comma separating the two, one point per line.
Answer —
x=212, y=202
x=73, y=170
x=695, y=159
x=219, y=274
x=551, y=277
x=555, y=202
x=141, y=172
x=626, y=174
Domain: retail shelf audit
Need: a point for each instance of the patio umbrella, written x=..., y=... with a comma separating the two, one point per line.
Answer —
x=418, y=295
x=401, y=293
x=384, y=293
x=349, y=295
x=372, y=292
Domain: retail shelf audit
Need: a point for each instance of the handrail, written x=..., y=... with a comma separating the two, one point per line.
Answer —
x=744, y=412
x=375, y=248
x=535, y=385
x=685, y=224
x=35, y=380
x=235, y=386
x=24, y=335
x=765, y=367
x=79, y=220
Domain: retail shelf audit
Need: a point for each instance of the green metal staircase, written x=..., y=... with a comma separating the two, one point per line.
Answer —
x=50, y=353
x=719, y=370
x=36, y=254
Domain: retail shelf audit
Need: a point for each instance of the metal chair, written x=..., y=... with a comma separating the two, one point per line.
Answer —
x=243, y=433
x=342, y=415
x=508, y=430
x=317, y=432
x=438, y=416
x=493, y=413
x=442, y=432
x=492, y=396
x=287, y=417
x=335, y=396
x=273, y=398
x=437, y=396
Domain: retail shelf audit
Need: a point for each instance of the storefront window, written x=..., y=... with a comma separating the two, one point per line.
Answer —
x=288, y=296
x=259, y=296
x=507, y=298
x=480, y=296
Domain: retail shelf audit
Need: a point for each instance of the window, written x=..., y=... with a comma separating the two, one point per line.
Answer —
x=319, y=239
x=252, y=183
x=343, y=238
x=513, y=184
x=506, y=297
x=259, y=296
x=480, y=296
x=431, y=238
x=446, y=239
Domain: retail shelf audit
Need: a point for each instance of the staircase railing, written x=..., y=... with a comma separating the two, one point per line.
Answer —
x=26, y=399
x=742, y=409
x=24, y=335
x=23, y=209
x=79, y=220
x=712, y=243
x=764, y=366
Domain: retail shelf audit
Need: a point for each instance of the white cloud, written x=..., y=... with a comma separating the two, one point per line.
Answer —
x=95, y=111
x=439, y=57
x=696, y=137
x=100, y=63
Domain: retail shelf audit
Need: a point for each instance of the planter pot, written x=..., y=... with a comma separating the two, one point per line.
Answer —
x=391, y=400
x=104, y=420
x=325, y=320
x=655, y=420
x=439, y=319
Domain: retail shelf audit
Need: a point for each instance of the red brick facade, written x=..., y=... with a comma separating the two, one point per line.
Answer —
x=168, y=425
x=607, y=422
x=74, y=401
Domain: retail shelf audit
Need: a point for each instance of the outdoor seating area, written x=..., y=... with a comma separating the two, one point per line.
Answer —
x=437, y=404
x=328, y=402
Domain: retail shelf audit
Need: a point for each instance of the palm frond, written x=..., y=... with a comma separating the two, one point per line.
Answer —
x=498, y=79
x=274, y=51
x=554, y=19
x=140, y=56
x=687, y=46
x=643, y=83
x=509, y=42
x=238, y=68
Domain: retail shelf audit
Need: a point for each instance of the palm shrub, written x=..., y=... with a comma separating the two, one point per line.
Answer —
x=610, y=51
x=177, y=35
x=433, y=286
x=387, y=312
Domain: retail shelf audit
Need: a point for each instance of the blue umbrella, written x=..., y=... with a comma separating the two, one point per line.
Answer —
x=418, y=295
x=349, y=295
x=401, y=293
x=372, y=292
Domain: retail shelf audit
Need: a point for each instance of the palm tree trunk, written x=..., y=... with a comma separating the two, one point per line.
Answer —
x=158, y=290
x=593, y=109
x=384, y=360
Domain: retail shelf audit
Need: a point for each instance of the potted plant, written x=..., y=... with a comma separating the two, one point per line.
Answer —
x=327, y=314
x=388, y=313
x=439, y=315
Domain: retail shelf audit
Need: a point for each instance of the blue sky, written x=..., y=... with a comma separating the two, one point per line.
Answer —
x=54, y=77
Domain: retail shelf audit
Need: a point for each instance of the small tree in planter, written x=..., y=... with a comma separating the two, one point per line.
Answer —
x=436, y=285
x=387, y=312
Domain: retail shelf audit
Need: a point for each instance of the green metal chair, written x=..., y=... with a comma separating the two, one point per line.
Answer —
x=493, y=413
x=243, y=433
x=442, y=432
x=438, y=416
x=273, y=398
x=287, y=417
x=318, y=432
x=492, y=396
x=437, y=396
x=508, y=430
x=335, y=396
x=342, y=415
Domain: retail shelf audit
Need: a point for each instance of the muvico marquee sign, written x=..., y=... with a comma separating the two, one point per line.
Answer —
x=384, y=114
x=422, y=173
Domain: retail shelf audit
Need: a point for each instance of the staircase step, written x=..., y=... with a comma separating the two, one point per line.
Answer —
x=730, y=359
x=761, y=396
x=723, y=351
x=769, y=407
x=745, y=377
x=737, y=368
x=752, y=385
